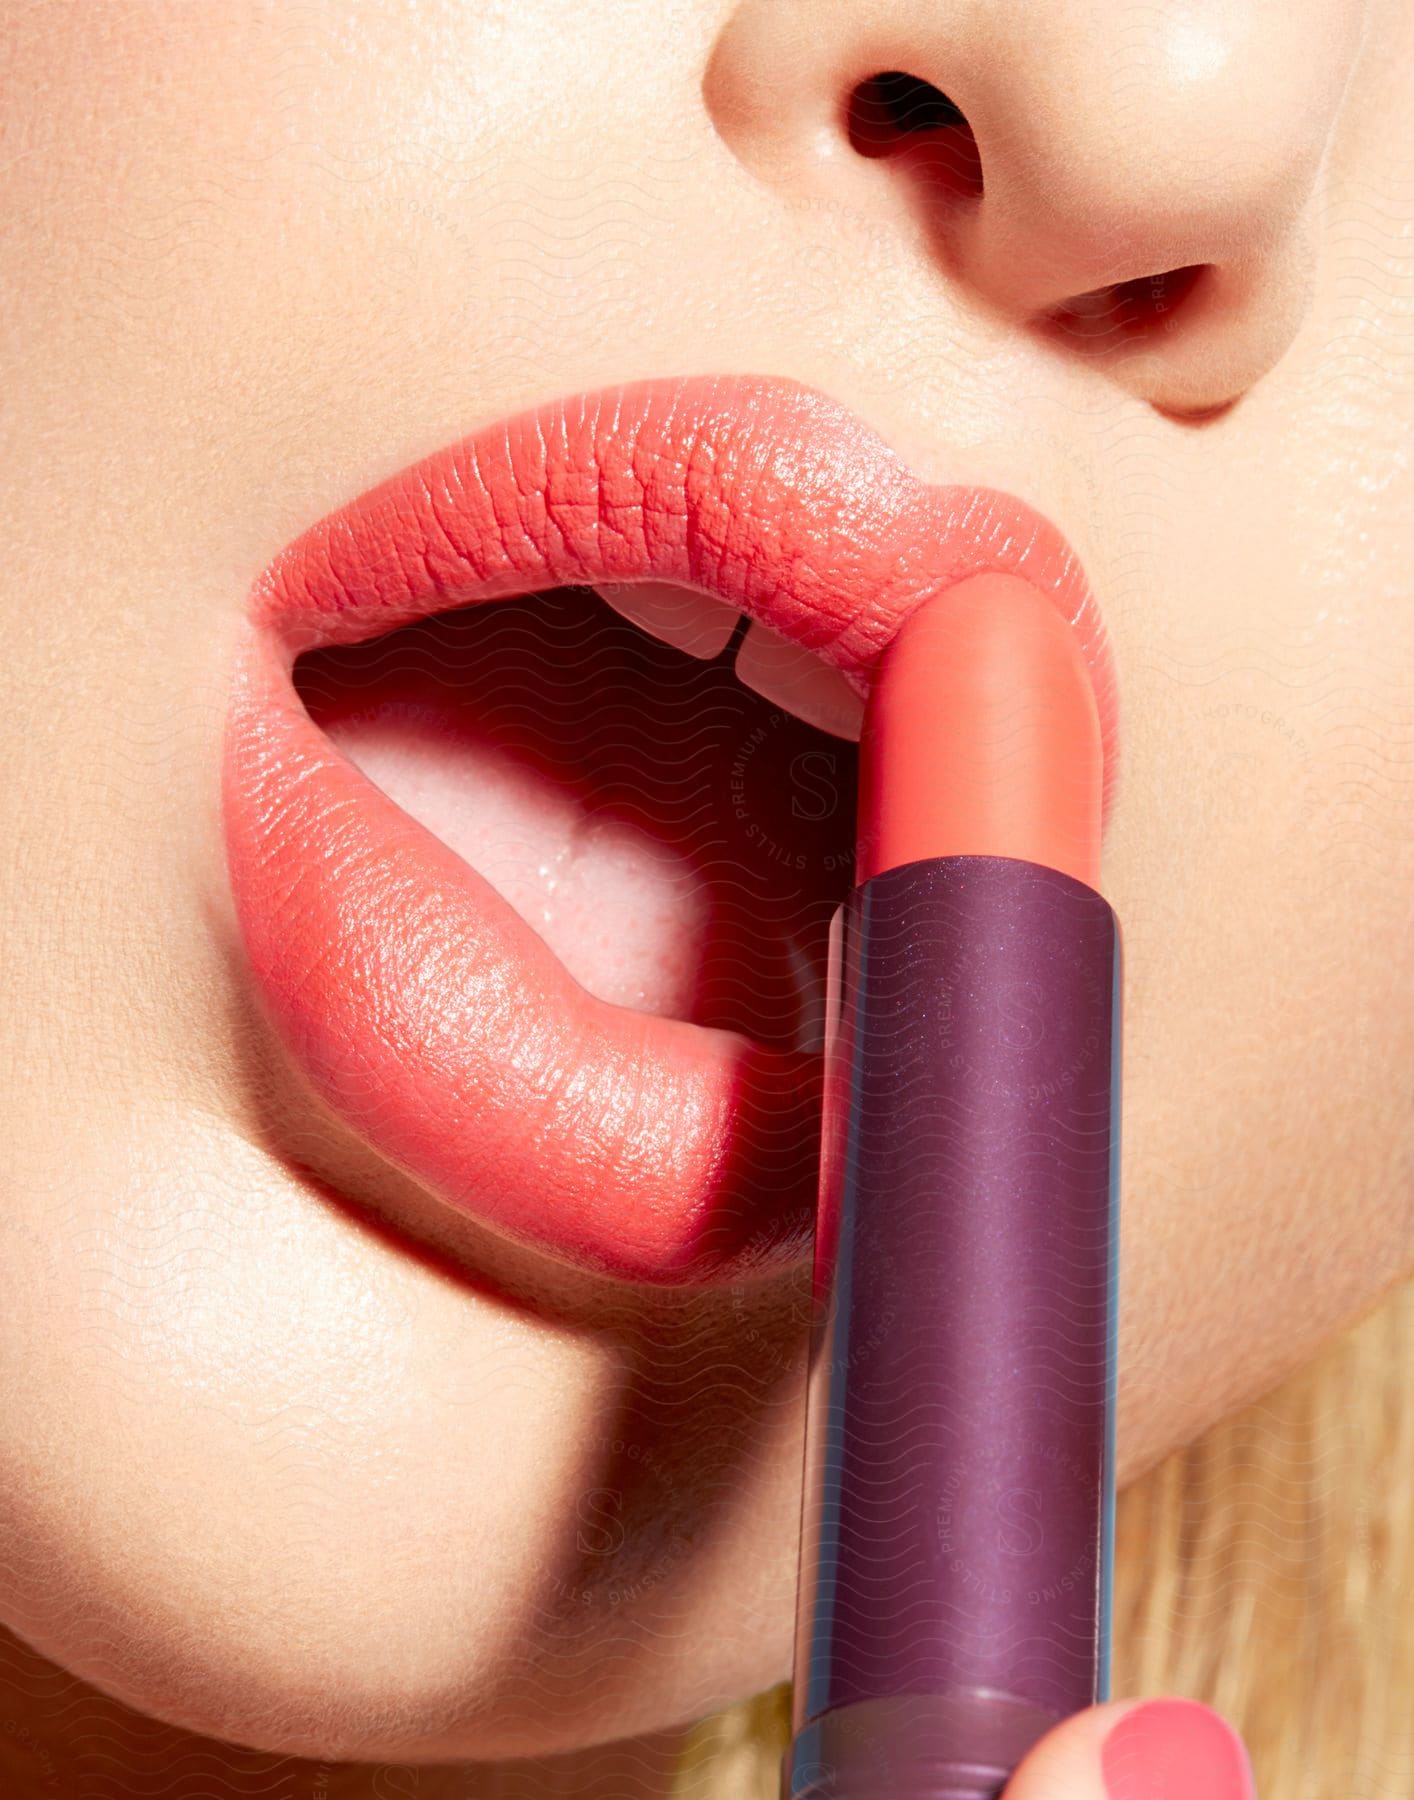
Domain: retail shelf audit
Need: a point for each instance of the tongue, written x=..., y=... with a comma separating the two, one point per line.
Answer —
x=623, y=911
x=676, y=841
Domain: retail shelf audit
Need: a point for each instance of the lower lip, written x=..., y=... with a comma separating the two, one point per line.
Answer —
x=419, y=1007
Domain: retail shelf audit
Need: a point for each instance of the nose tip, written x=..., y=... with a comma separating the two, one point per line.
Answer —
x=1130, y=182
x=1145, y=191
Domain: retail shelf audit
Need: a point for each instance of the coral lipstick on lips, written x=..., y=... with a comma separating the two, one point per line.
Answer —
x=955, y=1560
x=416, y=1004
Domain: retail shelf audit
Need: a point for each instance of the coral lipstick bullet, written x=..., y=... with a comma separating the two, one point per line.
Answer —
x=956, y=1535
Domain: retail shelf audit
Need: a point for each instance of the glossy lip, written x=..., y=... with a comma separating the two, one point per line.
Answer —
x=421, y=1008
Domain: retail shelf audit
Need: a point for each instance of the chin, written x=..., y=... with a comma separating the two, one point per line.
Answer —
x=375, y=1663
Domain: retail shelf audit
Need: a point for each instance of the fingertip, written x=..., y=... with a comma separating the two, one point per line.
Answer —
x=1175, y=1750
x=1066, y=1763
x=1170, y=1749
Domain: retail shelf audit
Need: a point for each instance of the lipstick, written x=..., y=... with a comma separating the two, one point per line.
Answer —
x=957, y=1524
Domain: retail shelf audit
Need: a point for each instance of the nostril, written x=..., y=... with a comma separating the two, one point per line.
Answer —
x=1125, y=313
x=893, y=114
x=893, y=105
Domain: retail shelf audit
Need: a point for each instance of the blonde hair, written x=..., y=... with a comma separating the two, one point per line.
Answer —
x=1267, y=1569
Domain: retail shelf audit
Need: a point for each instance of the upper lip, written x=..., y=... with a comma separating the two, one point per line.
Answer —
x=421, y=1009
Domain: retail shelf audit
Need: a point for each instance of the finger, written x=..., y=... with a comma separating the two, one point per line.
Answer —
x=1138, y=1750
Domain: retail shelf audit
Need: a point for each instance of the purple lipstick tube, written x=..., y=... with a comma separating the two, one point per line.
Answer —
x=957, y=1524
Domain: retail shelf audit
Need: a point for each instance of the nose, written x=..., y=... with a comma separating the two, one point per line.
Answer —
x=1130, y=183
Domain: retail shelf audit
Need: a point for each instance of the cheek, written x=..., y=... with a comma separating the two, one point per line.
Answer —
x=1280, y=853
x=1260, y=863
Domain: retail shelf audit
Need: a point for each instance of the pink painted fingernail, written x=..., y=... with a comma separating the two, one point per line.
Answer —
x=1175, y=1750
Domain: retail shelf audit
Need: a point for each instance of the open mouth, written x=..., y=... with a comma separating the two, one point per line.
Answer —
x=536, y=893
x=676, y=839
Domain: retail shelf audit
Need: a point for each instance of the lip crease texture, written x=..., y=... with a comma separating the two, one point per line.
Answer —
x=420, y=1007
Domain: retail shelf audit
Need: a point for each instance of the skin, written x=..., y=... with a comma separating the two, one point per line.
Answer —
x=267, y=1471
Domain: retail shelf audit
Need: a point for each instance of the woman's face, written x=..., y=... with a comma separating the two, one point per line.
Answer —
x=405, y=1317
